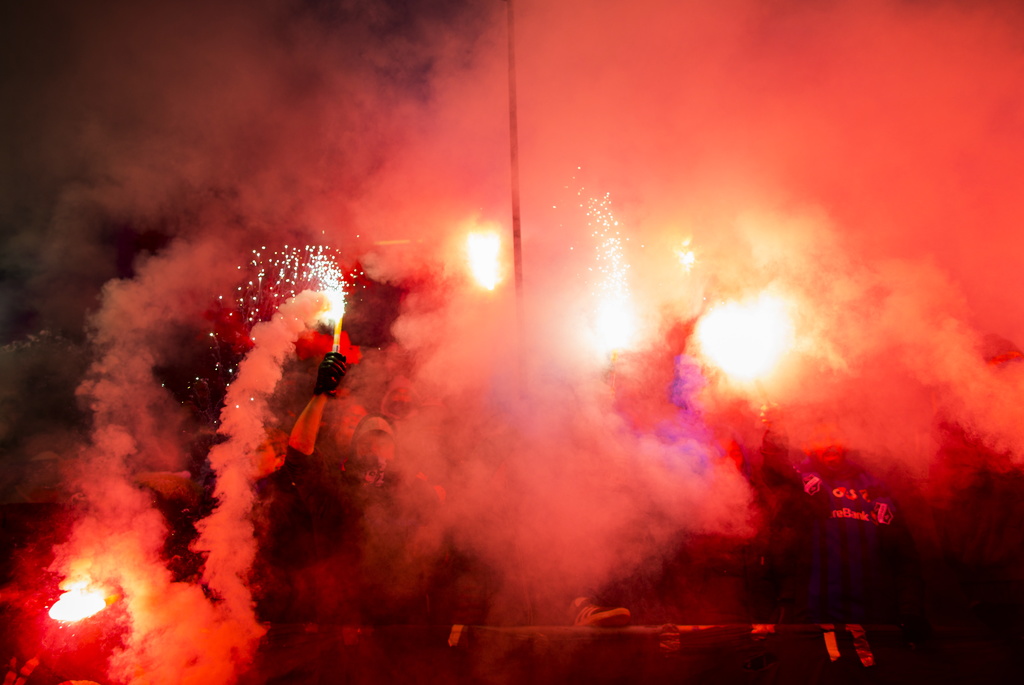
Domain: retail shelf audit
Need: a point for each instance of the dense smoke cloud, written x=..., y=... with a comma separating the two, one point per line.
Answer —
x=856, y=159
x=846, y=159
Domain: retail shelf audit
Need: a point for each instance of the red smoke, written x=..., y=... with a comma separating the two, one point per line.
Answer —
x=857, y=158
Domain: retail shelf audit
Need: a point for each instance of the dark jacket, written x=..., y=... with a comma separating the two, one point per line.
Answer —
x=839, y=548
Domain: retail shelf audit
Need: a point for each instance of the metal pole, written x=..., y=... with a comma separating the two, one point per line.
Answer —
x=517, y=248
x=517, y=254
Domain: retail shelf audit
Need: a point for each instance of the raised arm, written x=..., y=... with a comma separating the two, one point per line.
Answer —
x=304, y=433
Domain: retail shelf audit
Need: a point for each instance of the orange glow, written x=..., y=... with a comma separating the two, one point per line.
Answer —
x=484, y=258
x=78, y=603
x=746, y=340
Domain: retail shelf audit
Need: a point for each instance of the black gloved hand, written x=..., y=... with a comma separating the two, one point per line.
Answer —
x=328, y=376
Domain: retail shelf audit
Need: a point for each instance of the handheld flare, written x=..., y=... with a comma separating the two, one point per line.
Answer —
x=336, y=312
x=484, y=251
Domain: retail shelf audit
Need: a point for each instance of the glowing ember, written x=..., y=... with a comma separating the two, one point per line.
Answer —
x=746, y=340
x=78, y=603
x=484, y=258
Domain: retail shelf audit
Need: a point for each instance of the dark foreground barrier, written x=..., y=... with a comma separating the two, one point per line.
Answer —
x=36, y=651
x=538, y=655
x=639, y=654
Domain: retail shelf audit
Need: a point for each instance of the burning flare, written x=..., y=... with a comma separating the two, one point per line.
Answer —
x=77, y=603
x=614, y=323
x=484, y=258
x=336, y=313
x=746, y=340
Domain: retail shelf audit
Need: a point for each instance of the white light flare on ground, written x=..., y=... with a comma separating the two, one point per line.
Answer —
x=78, y=602
x=746, y=340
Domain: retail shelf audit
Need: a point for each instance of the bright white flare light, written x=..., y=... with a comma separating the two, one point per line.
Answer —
x=746, y=340
x=78, y=603
x=336, y=305
x=484, y=258
x=614, y=324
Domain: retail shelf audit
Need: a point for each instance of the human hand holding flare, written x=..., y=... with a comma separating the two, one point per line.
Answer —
x=329, y=374
x=334, y=365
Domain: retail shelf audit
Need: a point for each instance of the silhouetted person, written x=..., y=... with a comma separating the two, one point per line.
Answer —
x=839, y=548
x=977, y=503
x=348, y=537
